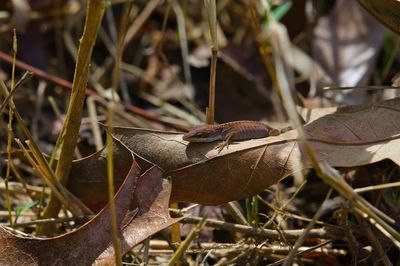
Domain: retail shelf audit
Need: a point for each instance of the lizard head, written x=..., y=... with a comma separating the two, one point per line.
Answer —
x=203, y=133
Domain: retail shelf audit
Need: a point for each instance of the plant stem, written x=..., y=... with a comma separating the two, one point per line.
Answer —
x=70, y=131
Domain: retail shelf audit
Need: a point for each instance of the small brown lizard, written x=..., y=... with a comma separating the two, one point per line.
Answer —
x=237, y=130
x=245, y=130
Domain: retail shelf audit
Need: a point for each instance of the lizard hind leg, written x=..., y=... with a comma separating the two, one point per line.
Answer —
x=225, y=142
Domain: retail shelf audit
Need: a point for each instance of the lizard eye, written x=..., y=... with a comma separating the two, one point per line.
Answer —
x=199, y=134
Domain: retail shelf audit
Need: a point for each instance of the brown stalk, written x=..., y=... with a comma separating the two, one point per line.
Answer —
x=212, y=22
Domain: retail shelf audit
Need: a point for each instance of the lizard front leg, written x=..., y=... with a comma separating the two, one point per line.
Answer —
x=226, y=141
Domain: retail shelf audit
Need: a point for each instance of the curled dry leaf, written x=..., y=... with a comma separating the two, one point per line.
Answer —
x=351, y=136
x=152, y=196
x=141, y=210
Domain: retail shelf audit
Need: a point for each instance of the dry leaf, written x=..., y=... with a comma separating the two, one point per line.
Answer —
x=142, y=210
x=152, y=195
x=88, y=178
x=350, y=137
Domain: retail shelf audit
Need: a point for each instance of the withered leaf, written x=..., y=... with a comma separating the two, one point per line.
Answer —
x=351, y=136
x=141, y=210
x=152, y=196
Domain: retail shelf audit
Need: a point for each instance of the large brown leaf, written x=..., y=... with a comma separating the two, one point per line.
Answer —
x=351, y=136
x=141, y=207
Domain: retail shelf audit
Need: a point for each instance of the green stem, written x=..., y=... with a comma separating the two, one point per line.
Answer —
x=94, y=15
